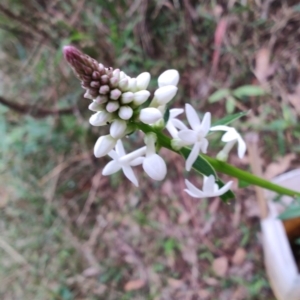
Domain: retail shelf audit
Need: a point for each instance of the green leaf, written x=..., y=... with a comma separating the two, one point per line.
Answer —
x=166, y=115
x=249, y=90
x=219, y=95
x=229, y=119
x=230, y=104
x=290, y=213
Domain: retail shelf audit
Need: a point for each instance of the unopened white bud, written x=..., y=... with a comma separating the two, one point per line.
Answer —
x=104, y=89
x=150, y=115
x=103, y=145
x=140, y=97
x=94, y=106
x=87, y=95
x=155, y=167
x=118, y=128
x=142, y=81
x=123, y=84
x=125, y=112
x=131, y=84
x=101, y=99
x=100, y=118
x=169, y=77
x=112, y=106
x=127, y=97
x=165, y=94
x=115, y=94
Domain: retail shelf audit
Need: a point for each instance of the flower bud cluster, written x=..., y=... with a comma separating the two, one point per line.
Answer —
x=116, y=101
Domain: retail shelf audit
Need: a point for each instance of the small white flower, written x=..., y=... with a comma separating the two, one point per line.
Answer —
x=125, y=112
x=150, y=115
x=100, y=118
x=165, y=94
x=210, y=188
x=230, y=137
x=142, y=81
x=124, y=162
x=118, y=128
x=153, y=164
x=104, y=144
x=195, y=136
x=169, y=77
x=174, y=124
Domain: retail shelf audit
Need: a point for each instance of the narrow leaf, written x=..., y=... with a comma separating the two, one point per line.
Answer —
x=219, y=95
x=229, y=119
x=249, y=90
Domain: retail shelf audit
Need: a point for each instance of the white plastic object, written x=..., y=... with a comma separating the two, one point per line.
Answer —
x=280, y=263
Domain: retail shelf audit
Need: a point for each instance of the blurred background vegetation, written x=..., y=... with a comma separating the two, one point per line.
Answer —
x=69, y=233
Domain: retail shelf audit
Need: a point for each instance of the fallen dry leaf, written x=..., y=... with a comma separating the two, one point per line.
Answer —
x=239, y=256
x=175, y=283
x=134, y=285
x=220, y=266
x=280, y=166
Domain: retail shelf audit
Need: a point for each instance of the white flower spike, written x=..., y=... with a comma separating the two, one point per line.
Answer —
x=195, y=136
x=230, y=138
x=124, y=162
x=210, y=188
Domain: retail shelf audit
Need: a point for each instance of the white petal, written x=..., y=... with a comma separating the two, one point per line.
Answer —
x=220, y=128
x=128, y=158
x=169, y=77
x=103, y=145
x=137, y=161
x=179, y=124
x=142, y=81
x=128, y=172
x=100, y=118
x=118, y=128
x=205, y=124
x=165, y=94
x=223, y=190
x=192, y=116
x=192, y=156
x=125, y=112
x=241, y=148
x=208, y=184
x=140, y=97
x=174, y=112
x=230, y=135
x=203, y=145
x=192, y=188
x=113, y=154
x=155, y=167
x=120, y=148
x=188, y=136
x=111, y=168
x=150, y=115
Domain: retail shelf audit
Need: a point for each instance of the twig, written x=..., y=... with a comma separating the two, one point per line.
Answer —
x=34, y=111
x=252, y=143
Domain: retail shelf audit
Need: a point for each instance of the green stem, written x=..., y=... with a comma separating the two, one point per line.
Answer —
x=223, y=167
